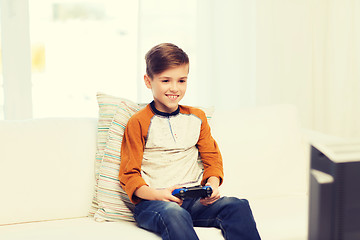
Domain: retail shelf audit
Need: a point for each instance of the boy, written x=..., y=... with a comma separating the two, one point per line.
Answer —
x=159, y=153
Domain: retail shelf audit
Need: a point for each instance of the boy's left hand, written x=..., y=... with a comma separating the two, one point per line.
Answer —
x=215, y=194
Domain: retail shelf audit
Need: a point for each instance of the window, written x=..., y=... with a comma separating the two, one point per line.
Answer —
x=80, y=47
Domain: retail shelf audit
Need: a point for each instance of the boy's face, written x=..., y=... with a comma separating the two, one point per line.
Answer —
x=168, y=87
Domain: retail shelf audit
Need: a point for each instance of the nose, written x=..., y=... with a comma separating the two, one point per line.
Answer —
x=173, y=87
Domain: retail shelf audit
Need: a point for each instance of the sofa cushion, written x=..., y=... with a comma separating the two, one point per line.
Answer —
x=46, y=169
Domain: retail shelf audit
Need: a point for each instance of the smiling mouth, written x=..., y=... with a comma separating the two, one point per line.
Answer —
x=172, y=97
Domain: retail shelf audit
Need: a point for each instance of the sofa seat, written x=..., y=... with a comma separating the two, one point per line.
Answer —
x=276, y=218
x=278, y=222
x=87, y=228
x=281, y=217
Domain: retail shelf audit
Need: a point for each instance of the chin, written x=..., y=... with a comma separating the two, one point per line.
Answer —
x=173, y=107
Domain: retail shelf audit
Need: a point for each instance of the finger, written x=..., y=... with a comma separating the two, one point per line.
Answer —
x=203, y=202
x=171, y=189
x=208, y=201
x=175, y=199
x=215, y=198
x=215, y=194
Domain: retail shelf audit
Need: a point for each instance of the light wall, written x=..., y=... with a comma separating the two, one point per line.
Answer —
x=284, y=55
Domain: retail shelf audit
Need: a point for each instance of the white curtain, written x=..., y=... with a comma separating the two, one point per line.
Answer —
x=284, y=55
x=255, y=53
x=226, y=50
x=300, y=52
x=336, y=66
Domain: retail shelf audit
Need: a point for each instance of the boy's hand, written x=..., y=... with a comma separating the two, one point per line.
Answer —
x=146, y=192
x=213, y=182
x=166, y=195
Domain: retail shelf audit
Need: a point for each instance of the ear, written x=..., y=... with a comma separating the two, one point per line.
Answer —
x=147, y=81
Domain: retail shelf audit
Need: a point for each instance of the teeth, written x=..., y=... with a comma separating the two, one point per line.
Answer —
x=172, y=96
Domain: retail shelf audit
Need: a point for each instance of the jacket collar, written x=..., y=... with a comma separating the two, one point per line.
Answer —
x=164, y=114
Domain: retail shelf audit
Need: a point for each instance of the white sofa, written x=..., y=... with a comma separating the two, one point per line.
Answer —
x=47, y=176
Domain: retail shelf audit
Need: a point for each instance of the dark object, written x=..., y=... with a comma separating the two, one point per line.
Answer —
x=334, y=204
x=193, y=192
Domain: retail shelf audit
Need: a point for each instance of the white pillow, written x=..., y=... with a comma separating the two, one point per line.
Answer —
x=108, y=106
x=114, y=204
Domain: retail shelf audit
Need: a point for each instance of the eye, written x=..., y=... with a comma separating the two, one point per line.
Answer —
x=182, y=81
x=165, y=81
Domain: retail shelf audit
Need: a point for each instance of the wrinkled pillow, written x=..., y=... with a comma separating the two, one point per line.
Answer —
x=108, y=106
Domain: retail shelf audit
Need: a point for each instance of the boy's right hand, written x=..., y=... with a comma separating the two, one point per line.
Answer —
x=148, y=193
x=166, y=195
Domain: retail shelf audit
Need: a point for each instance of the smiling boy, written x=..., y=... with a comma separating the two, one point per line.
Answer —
x=160, y=151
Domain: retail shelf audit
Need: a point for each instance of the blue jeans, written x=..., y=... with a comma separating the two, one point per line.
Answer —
x=232, y=215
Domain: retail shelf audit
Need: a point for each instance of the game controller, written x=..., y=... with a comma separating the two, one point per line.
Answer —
x=193, y=192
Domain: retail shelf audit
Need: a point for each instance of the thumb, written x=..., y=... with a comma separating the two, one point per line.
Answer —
x=174, y=187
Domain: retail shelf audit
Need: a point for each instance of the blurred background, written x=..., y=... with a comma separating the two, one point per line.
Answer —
x=56, y=54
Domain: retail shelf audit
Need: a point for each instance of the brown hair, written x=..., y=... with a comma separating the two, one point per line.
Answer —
x=164, y=56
